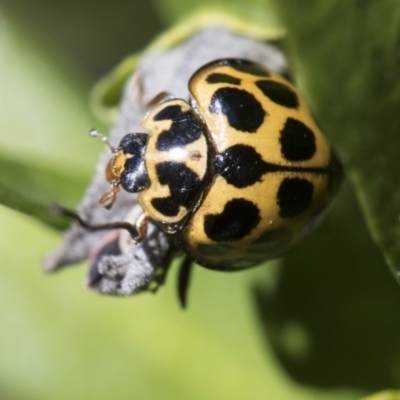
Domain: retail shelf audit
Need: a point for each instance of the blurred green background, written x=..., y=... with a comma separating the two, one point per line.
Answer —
x=323, y=323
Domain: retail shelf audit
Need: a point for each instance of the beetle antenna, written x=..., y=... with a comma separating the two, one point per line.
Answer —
x=96, y=134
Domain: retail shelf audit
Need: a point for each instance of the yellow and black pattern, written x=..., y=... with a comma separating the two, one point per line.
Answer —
x=176, y=161
x=274, y=170
x=241, y=174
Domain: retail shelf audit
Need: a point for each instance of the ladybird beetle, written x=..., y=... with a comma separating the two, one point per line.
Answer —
x=239, y=174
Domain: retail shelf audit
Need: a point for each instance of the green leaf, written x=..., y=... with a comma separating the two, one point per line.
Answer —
x=257, y=12
x=46, y=155
x=32, y=189
x=58, y=341
x=332, y=320
x=388, y=395
x=346, y=56
x=106, y=95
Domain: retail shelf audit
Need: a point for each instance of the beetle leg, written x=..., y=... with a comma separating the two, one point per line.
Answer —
x=158, y=98
x=132, y=229
x=184, y=274
x=109, y=198
x=141, y=226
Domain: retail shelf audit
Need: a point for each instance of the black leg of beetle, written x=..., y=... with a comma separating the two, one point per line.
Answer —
x=160, y=97
x=184, y=273
x=100, y=227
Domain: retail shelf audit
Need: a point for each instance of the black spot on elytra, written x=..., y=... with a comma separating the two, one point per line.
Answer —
x=134, y=177
x=235, y=222
x=240, y=165
x=185, y=128
x=183, y=185
x=294, y=197
x=297, y=141
x=222, y=78
x=279, y=93
x=246, y=66
x=242, y=109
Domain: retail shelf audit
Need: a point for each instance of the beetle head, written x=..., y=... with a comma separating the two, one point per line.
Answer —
x=127, y=168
